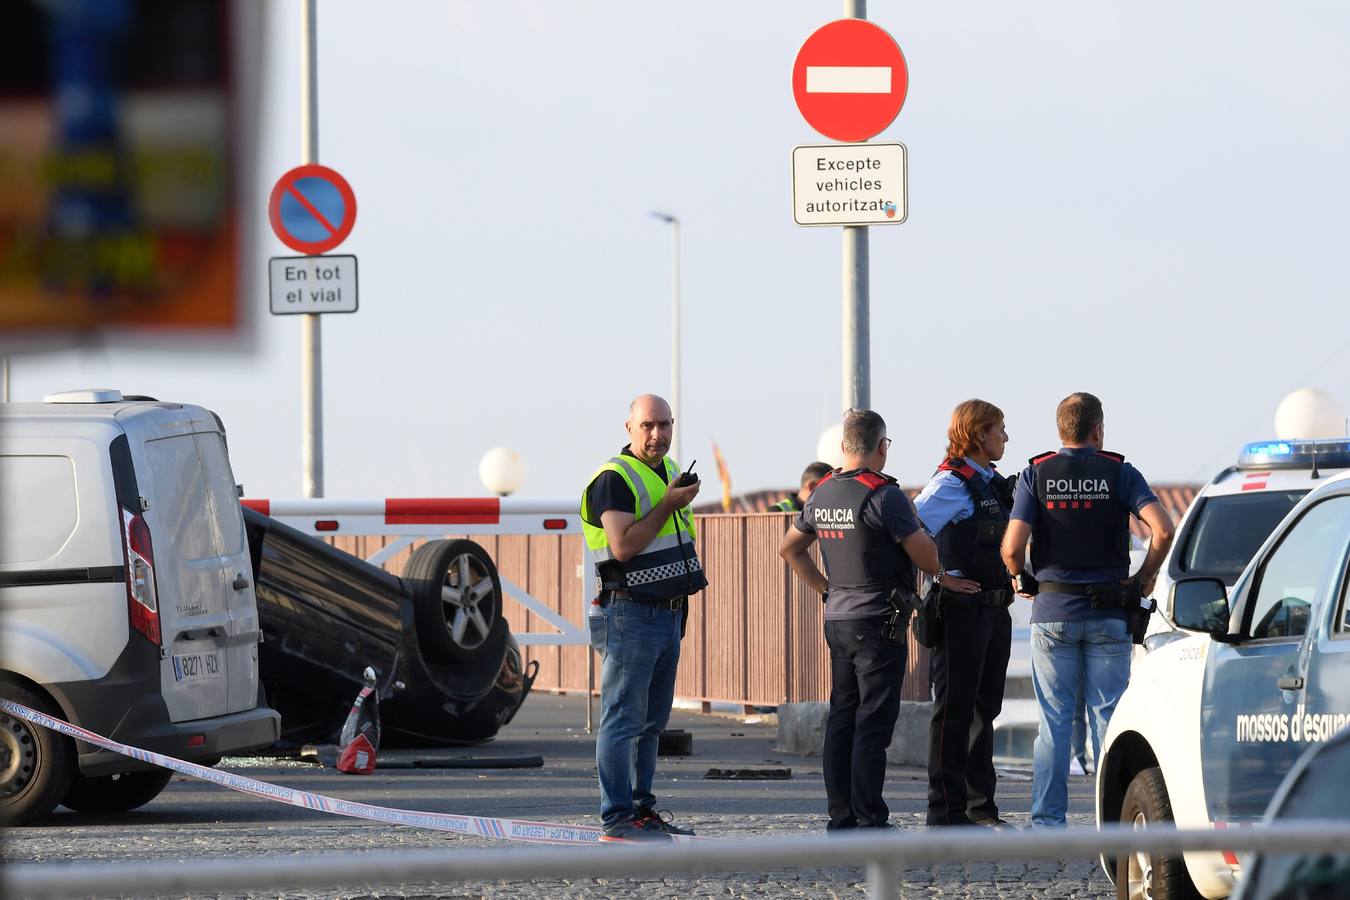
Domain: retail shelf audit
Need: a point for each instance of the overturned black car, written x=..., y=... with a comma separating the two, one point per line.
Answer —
x=447, y=669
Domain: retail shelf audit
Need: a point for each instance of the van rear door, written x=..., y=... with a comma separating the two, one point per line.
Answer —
x=227, y=517
x=191, y=576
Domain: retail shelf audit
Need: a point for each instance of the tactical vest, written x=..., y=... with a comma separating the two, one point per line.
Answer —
x=668, y=566
x=1083, y=521
x=857, y=556
x=971, y=546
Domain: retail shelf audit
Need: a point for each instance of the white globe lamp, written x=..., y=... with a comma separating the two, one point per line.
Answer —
x=501, y=470
x=828, y=449
x=1309, y=413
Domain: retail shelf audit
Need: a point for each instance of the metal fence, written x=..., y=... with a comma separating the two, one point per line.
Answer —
x=884, y=856
x=755, y=635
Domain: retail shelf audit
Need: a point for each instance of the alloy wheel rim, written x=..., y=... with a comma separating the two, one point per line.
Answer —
x=18, y=756
x=1141, y=866
x=466, y=587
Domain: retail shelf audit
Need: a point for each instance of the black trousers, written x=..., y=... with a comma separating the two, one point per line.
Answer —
x=970, y=667
x=866, y=671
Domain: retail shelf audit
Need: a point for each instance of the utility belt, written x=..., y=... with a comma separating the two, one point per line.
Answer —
x=1113, y=595
x=1104, y=595
x=997, y=598
x=608, y=596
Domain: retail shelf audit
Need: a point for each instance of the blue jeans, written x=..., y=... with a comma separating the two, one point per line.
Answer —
x=1094, y=653
x=640, y=649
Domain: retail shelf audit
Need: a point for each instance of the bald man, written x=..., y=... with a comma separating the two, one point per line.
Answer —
x=636, y=519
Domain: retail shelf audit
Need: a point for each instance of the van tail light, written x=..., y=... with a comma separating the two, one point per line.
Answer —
x=142, y=597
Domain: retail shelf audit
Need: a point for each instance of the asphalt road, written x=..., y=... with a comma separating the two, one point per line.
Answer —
x=196, y=819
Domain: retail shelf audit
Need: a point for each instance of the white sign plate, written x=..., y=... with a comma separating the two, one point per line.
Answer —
x=849, y=184
x=312, y=284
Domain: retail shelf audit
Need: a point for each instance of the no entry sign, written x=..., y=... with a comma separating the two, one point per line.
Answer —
x=312, y=209
x=850, y=80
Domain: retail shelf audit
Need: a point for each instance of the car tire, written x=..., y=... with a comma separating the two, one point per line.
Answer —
x=454, y=624
x=1142, y=874
x=36, y=763
x=115, y=793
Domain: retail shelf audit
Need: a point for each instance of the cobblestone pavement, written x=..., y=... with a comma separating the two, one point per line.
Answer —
x=195, y=819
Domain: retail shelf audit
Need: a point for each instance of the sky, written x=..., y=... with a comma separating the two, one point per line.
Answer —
x=1140, y=199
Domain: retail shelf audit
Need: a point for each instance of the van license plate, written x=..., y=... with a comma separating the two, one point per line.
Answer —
x=197, y=666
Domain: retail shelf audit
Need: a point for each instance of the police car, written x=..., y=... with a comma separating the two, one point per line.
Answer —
x=1252, y=669
x=1238, y=509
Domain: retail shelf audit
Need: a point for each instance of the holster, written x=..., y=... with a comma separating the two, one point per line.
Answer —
x=928, y=617
x=898, y=620
x=1137, y=616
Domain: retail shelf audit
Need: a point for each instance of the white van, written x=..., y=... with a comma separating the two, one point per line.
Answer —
x=126, y=599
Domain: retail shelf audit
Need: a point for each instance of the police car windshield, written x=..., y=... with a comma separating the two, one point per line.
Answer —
x=1229, y=530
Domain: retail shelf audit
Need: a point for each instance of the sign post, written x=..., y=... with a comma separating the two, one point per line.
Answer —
x=849, y=81
x=311, y=332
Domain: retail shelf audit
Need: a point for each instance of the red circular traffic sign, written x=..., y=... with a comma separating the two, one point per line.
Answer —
x=850, y=80
x=312, y=209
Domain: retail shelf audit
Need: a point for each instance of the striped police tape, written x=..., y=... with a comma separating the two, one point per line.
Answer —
x=503, y=829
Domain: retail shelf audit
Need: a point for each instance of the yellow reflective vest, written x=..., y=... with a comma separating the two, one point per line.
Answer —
x=669, y=565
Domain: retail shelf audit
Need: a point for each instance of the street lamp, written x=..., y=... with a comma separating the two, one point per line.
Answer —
x=674, y=327
x=501, y=470
x=828, y=448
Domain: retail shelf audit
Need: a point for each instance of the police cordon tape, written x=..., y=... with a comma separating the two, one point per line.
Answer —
x=480, y=826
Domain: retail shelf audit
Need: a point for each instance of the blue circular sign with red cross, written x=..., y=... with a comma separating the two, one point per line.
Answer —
x=312, y=209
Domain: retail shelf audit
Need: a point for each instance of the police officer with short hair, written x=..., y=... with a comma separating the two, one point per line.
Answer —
x=965, y=505
x=871, y=540
x=810, y=478
x=1074, y=506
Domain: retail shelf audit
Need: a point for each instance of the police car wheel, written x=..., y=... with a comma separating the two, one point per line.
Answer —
x=1142, y=875
x=36, y=764
x=115, y=793
x=457, y=599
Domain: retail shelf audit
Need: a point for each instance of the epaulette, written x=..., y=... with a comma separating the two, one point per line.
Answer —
x=874, y=480
x=960, y=468
x=1042, y=457
x=1118, y=457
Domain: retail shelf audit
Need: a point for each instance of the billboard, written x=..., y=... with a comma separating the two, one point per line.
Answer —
x=120, y=159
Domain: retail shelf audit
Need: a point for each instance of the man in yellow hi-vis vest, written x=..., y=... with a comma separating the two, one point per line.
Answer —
x=636, y=519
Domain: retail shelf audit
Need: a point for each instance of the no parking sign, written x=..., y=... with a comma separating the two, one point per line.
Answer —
x=312, y=209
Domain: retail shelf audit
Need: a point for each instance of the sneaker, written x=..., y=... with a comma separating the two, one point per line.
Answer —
x=661, y=820
x=634, y=831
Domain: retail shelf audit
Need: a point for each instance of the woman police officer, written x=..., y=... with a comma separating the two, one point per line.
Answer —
x=965, y=506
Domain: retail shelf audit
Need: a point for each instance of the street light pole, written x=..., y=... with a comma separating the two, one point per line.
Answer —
x=674, y=330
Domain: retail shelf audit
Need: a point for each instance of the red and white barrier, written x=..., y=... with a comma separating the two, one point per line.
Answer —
x=412, y=515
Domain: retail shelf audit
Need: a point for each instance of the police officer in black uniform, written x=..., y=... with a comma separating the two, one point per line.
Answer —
x=966, y=505
x=1074, y=506
x=871, y=541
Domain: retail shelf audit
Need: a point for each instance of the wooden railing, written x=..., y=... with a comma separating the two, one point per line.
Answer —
x=755, y=636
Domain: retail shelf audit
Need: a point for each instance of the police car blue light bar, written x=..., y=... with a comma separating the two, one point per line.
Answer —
x=1295, y=454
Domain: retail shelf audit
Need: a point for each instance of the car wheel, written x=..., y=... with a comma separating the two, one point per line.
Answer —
x=36, y=764
x=457, y=598
x=115, y=793
x=1142, y=875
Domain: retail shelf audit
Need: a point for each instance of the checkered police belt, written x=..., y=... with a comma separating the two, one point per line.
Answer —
x=662, y=573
